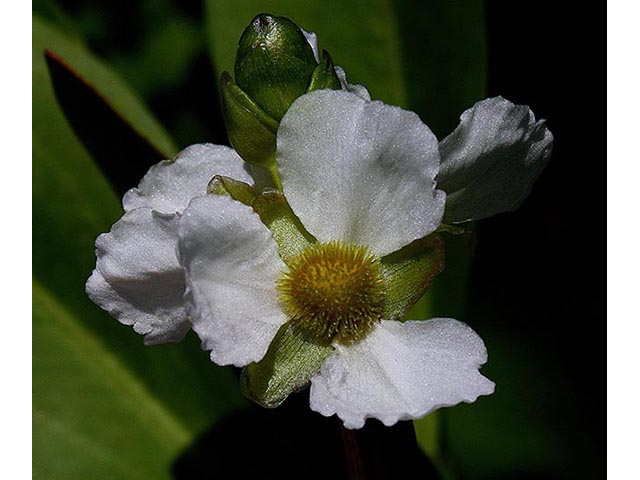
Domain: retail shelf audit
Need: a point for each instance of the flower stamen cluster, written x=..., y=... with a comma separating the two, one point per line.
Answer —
x=334, y=292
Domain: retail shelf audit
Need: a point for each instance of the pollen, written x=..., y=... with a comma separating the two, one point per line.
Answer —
x=334, y=292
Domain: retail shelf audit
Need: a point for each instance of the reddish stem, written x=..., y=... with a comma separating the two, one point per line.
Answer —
x=356, y=472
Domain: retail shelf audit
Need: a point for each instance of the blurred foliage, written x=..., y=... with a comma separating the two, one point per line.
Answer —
x=91, y=413
x=83, y=360
x=104, y=403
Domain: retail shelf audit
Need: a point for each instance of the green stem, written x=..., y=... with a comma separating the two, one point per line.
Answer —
x=266, y=176
x=275, y=176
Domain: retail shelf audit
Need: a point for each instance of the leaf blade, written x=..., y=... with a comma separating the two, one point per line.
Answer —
x=122, y=99
x=65, y=364
x=120, y=151
x=72, y=204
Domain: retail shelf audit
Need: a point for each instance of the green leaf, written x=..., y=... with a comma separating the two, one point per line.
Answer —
x=428, y=432
x=72, y=205
x=290, y=362
x=409, y=272
x=121, y=98
x=72, y=202
x=98, y=125
x=92, y=416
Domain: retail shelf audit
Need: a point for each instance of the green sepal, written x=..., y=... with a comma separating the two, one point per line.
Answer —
x=236, y=189
x=287, y=230
x=409, y=272
x=250, y=130
x=324, y=76
x=292, y=359
x=274, y=63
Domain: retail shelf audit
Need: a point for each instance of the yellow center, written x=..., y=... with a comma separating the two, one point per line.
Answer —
x=333, y=291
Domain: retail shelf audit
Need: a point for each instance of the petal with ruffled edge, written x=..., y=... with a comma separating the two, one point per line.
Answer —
x=490, y=161
x=231, y=266
x=359, y=172
x=138, y=279
x=402, y=371
x=169, y=186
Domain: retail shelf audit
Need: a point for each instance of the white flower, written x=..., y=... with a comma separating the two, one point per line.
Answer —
x=360, y=180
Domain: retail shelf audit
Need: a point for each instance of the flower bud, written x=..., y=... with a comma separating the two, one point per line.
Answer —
x=274, y=63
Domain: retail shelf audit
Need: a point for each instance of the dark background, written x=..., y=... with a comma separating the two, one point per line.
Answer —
x=538, y=275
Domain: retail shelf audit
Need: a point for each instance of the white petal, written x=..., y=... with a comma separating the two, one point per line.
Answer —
x=312, y=39
x=169, y=186
x=402, y=371
x=232, y=265
x=138, y=279
x=359, y=90
x=490, y=161
x=360, y=172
